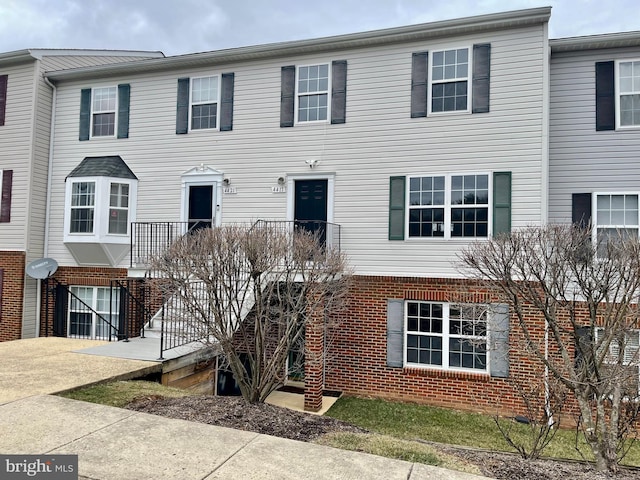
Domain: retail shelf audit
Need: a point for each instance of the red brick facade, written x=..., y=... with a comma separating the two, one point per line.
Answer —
x=12, y=271
x=358, y=358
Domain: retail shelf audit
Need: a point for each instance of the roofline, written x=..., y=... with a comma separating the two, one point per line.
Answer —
x=595, y=42
x=30, y=54
x=417, y=32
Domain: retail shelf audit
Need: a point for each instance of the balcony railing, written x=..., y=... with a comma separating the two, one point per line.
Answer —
x=149, y=239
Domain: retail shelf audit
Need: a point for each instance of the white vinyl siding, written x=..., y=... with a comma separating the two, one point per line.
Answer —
x=378, y=141
x=582, y=160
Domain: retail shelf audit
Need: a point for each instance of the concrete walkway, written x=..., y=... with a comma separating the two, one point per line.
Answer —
x=113, y=443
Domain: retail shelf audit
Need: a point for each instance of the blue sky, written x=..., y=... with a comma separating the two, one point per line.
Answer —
x=187, y=26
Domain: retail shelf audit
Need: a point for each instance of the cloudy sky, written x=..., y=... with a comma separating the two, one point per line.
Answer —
x=186, y=26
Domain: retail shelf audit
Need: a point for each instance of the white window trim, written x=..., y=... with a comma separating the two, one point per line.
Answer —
x=192, y=103
x=319, y=92
x=101, y=208
x=93, y=305
x=93, y=112
x=635, y=362
x=469, y=80
x=594, y=210
x=448, y=206
x=616, y=82
x=119, y=208
x=445, y=342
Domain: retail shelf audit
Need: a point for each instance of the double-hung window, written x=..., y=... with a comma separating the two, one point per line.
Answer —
x=616, y=216
x=204, y=102
x=623, y=355
x=450, y=82
x=103, y=111
x=93, y=312
x=628, y=97
x=447, y=336
x=83, y=201
x=449, y=206
x=119, y=208
x=313, y=93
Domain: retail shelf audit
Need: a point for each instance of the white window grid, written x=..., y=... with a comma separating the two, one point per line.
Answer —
x=83, y=200
x=103, y=300
x=457, y=323
x=629, y=358
x=431, y=195
x=448, y=66
x=313, y=84
x=119, y=208
x=616, y=214
x=628, y=93
x=205, y=101
x=103, y=111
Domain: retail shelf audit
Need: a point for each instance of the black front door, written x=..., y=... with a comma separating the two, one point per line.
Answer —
x=200, y=206
x=310, y=209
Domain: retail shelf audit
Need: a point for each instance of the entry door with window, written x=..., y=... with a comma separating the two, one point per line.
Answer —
x=310, y=206
x=200, y=206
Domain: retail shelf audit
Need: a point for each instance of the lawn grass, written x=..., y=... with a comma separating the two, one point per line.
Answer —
x=118, y=394
x=420, y=422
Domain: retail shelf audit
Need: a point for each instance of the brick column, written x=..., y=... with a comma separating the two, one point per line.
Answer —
x=313, y=361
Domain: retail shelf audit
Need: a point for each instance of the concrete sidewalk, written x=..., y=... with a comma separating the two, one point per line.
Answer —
x=113, y=443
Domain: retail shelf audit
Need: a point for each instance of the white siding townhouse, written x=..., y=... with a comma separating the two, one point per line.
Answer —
x=405, y=144
x=25, y=127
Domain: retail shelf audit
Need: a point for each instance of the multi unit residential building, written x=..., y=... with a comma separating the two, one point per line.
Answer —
x=26, y=101
x=406, y=143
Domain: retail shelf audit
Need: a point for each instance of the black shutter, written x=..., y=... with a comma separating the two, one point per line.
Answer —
x=581, y=209
x=501, y=203
x=60, y=311
x=338, y=91
x=395, y=333
x=182, y=108
x=226, y=102
x=287, y=96
x=124, y=95
x=605, y=96
x=419, y=76
x=5, y=195
x=498, y=320
x=396, y=207
x=583, y=347
x=480, y=78
x=4, y=80
x=85, y=113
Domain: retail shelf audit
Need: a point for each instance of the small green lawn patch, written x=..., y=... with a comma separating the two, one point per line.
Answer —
x=119, y=394
x=411, y=421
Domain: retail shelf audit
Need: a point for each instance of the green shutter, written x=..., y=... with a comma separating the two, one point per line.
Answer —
x=499, y=340
x=396, y=208
x=226, y=104
x=85, y=113
x=338, y=91
x=395, y=333
x=501, y=203
x=182, y=109
x=287, y=96
x=124, y=93
x=419, y=75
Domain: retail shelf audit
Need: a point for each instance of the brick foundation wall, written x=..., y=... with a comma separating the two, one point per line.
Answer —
x=13, y=266
x=357, y=359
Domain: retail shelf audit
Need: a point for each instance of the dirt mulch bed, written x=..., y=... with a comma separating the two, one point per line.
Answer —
x=234, y=412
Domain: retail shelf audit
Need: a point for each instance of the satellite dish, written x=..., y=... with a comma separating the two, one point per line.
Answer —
x=42, y=268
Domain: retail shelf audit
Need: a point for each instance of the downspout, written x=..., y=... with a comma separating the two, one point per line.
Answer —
x=48, y=203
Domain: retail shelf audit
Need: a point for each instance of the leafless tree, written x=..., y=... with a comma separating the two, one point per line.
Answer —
x=585, y=291
x=253, y=292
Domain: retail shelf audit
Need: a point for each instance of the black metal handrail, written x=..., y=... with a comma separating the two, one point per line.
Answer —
x=330, y=234
x=61, y=311
x=152, y=238
x=135, y=307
